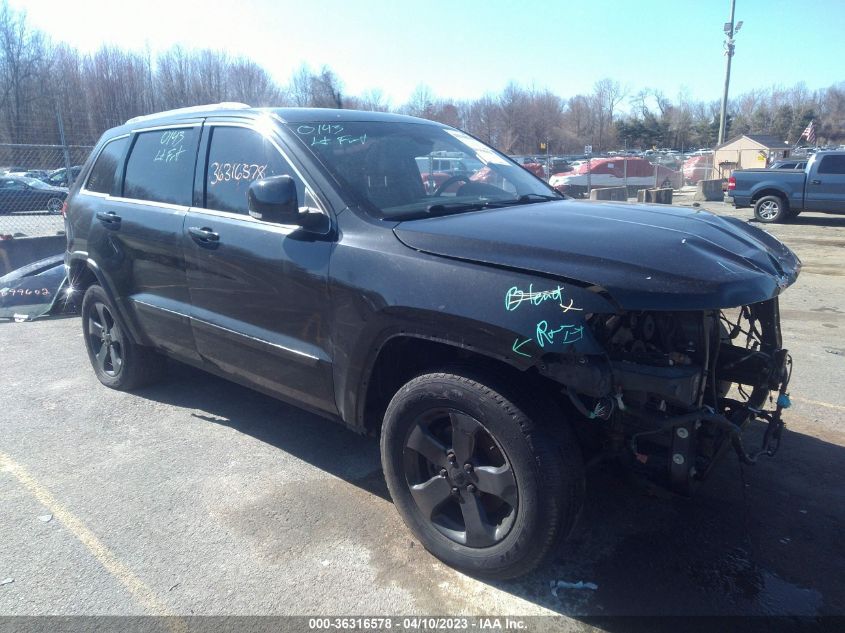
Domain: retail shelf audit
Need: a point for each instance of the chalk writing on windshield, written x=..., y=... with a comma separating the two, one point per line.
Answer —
x=326, y=134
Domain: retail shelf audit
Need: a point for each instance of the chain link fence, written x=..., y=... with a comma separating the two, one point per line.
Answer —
x=34, y=181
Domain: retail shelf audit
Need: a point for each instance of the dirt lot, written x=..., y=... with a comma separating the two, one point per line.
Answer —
x=201, y=497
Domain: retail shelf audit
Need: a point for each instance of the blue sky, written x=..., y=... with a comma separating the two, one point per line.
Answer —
x=464, y=48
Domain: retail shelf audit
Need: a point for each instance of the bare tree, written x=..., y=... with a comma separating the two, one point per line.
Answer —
x=24, y=61
x=421, y=102
x=104, y=88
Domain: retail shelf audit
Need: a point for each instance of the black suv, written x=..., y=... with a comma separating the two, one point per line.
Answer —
x=494, y=335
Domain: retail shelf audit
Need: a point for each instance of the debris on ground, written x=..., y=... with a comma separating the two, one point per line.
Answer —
x=7, y=581
x=46, y=518
x=554, y=585
x=36, y=290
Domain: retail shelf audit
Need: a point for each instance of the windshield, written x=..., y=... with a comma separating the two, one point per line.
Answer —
x=34, y=183
x=408, y=170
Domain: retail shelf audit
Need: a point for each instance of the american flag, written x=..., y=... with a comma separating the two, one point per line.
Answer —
x=810, y=133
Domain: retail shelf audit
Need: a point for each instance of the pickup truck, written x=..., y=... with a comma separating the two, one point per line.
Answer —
x=493, y=335
x=780, y=195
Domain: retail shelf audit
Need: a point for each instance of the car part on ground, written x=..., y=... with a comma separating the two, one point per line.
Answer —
x=36, y=290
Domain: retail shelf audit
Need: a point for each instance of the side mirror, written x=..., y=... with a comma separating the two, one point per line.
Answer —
x=274, y=200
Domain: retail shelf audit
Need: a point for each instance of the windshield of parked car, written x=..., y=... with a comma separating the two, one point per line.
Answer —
x=33, y=182
x=400, y=171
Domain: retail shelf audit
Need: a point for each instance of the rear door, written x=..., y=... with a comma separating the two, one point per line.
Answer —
x=259, y=291
x=136, y=235
x=825, y=188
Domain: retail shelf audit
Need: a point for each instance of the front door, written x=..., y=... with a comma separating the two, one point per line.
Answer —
x=258, y=290
x=825, y=189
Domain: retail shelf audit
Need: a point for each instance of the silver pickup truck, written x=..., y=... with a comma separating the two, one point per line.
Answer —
x=778, y=195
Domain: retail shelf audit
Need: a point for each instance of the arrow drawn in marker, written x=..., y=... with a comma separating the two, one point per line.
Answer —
x=517, y=345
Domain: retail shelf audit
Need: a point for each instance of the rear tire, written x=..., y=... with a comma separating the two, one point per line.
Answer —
x=118, y=362
x=54, y=205
x=476, y=480
x=771, y=209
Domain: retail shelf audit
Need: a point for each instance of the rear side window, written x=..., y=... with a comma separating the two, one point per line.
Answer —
x=832, y=165
x=236, y=158
x=161, y=166
x=103, y=174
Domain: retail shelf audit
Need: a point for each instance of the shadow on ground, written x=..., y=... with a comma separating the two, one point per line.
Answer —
x=763, y=540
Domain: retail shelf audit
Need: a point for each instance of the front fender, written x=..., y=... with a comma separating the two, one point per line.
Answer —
x=510, y=316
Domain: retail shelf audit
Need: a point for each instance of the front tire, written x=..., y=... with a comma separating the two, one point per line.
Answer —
x=118, y=362
x=475, y=479
x=771, y=209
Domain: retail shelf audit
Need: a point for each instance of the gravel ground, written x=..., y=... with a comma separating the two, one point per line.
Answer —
x=201, y=497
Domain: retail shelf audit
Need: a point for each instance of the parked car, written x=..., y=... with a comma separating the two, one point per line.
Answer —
x=436, y=169
x=59, y=177
x=40, y=174
x=560, y=166
x=29, y=194
x=789, y=163
x=698, y=167
x=611, y=172
x=531, y=164
x=494, y=338
x=779, y=195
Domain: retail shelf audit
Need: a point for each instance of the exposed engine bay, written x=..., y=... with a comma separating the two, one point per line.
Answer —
x=676, y=389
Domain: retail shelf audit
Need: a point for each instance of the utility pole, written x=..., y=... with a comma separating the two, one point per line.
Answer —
x=65, y=152
x=730, y=32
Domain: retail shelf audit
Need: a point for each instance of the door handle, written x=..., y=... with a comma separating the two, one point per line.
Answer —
x=203, y=235
x=108, y=217
x=815, y=182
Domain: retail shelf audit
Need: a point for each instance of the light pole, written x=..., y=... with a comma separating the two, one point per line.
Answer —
x=730, y=32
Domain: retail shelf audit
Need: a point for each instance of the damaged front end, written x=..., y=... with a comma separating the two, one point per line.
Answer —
x=675, y=390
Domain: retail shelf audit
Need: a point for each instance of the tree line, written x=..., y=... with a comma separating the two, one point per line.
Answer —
x=42, y=83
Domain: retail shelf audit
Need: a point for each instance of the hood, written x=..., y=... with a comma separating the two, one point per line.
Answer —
x=646, y=257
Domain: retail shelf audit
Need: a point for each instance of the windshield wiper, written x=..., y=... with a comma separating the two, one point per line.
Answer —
x=529, y=198
x=443, y=208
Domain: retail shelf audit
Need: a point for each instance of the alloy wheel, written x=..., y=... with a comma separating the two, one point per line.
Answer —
x=460, y=478
x=106, y=339
x=769, y=210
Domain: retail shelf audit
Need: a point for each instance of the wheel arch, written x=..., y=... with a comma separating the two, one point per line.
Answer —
x=402, y=356
x=83, y=272
x=770, y=192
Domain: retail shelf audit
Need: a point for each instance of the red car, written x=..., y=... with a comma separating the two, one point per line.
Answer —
x=613, y=172
x=698, y=168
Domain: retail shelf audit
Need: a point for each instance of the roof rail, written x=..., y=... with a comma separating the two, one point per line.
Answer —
x=225, y=105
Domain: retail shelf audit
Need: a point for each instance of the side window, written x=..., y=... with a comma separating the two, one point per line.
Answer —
x=103, y=173
x=236, y=157
x=833, y=164
x=161, y=166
